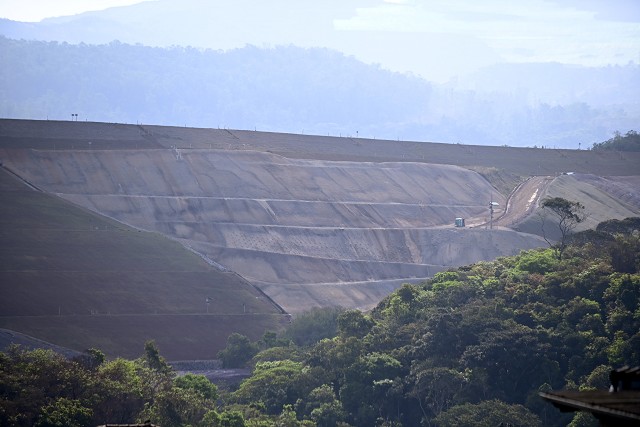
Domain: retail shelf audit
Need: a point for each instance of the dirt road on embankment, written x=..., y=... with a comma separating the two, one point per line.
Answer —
x=523, y=201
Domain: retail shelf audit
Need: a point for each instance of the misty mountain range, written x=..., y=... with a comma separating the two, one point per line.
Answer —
x=289, y=85
x=226, y=24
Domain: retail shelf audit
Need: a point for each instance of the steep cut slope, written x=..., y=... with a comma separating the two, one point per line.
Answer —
x=279, y=221
x=79, y=280
x=311, y=220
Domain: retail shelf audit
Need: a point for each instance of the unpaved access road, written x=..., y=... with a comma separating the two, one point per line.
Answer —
x=523, y=201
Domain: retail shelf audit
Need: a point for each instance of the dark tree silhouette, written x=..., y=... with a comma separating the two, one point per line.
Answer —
x=569, y=215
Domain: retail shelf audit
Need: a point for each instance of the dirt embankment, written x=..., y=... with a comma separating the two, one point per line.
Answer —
x=79, y=280
x=603, y=198
x=519, y=161
x=279, y=221
x=523, y=201
x=311, y=221
x=326, y=221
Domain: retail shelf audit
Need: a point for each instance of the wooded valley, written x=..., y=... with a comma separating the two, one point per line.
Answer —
x=474, y=345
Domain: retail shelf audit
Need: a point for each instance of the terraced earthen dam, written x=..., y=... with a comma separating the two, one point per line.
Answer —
x=311, y=221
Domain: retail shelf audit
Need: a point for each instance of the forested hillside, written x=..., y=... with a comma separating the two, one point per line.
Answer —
x=630, y=141
x=473, y=345
x=310, y=90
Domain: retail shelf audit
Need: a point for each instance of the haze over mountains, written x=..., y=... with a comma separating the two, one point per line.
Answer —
x=436, y=40
x=283, y=82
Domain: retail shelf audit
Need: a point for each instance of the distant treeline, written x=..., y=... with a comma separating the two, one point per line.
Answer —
x=303, y=90
x=627, y=142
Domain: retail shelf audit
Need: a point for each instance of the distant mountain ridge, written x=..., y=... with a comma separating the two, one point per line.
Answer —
x=309, y=90
x=230, y=24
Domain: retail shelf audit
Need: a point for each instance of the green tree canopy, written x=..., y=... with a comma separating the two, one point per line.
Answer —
x=472, y=346
x=354, y=323
x=490, y=413
x=627, y=142
x=64, y=412
x=238, y=352
x=569, y=215
x=276, y=384
x=198, y=383
x=314, y=325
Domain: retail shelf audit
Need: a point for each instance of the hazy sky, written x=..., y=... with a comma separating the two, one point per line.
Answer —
x=36, y=10
x=584, y=32
x=406, y=35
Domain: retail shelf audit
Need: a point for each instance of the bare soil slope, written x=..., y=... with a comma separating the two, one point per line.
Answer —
x=523, y=201
x=79, y=280
x=279, y=221
x=604, y=198
x=521, y=161
x=311, y=220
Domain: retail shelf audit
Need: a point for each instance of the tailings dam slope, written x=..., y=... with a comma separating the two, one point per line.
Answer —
x=308, y=229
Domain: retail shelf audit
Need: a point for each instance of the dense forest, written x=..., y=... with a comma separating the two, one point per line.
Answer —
x=472, y=346
x=313, y=90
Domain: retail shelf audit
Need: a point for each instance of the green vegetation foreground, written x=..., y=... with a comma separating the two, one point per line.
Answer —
x=472, y=346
